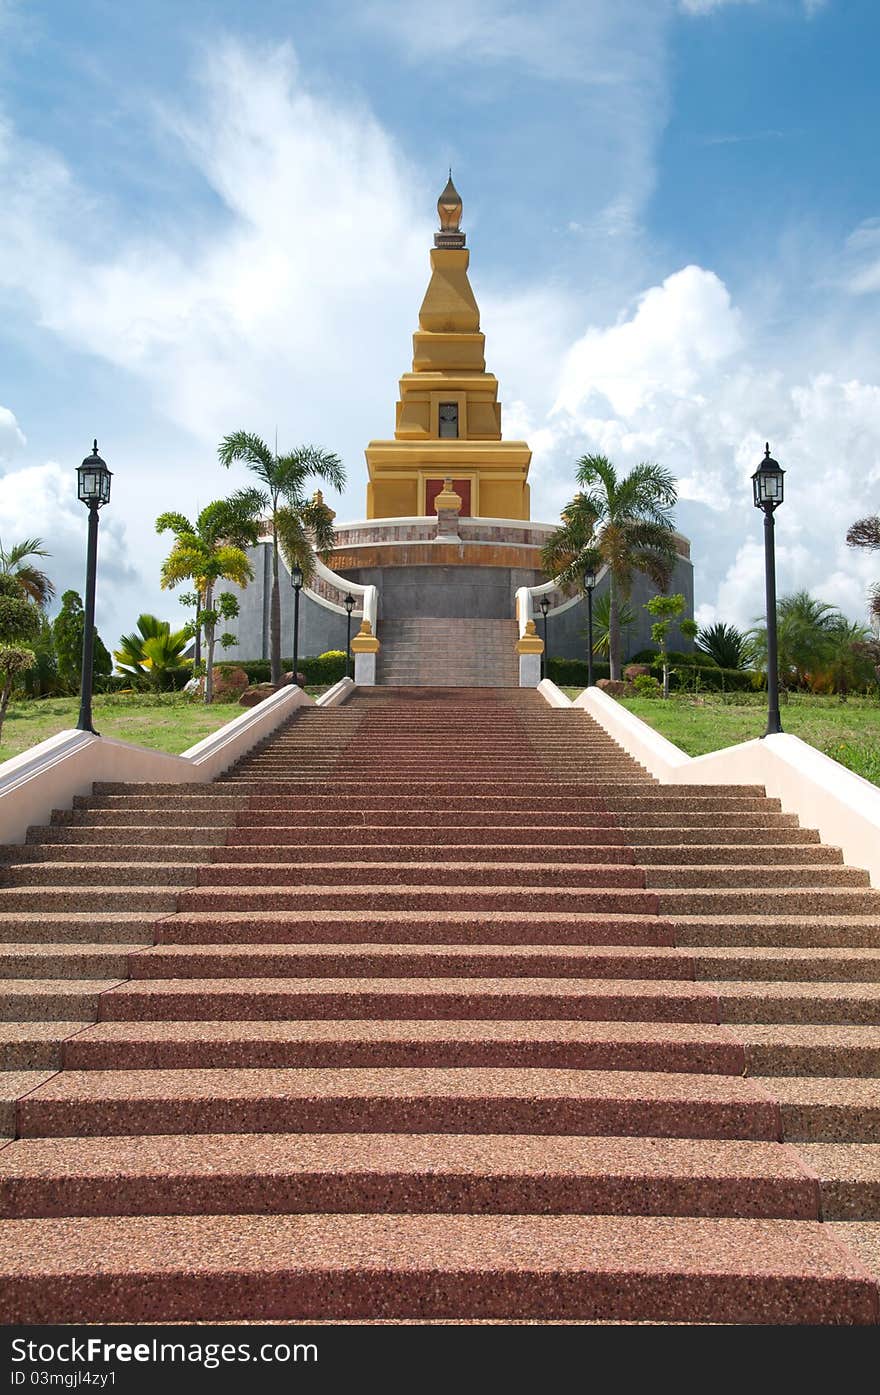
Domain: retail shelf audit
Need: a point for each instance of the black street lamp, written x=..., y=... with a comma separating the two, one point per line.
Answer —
x=589, y=583
x=545, y=606
x=296, y=581
x=768, y=493
x=93, y=487
x=349, y=604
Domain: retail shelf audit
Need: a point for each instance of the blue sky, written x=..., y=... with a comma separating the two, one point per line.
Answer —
x=218, y=214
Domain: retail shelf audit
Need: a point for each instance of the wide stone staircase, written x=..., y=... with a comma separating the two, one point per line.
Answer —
x=438, y=1007
x=452, y=653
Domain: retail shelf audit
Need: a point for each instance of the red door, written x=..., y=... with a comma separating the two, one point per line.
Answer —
x=462, y=487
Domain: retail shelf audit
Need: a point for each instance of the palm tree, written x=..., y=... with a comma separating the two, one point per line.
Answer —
x=295, y=519
x=727, y=645
x=210, y=550
x=14, y=562
x=847, y=665
x=625, y=521
x=153, y=652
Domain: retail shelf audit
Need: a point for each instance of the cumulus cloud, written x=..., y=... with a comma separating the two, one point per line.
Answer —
x=679, y=329
x=680, y=381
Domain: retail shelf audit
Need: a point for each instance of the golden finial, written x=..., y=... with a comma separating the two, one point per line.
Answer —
x=449, y=208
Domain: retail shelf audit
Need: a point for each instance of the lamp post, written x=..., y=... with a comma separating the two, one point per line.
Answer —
x=767, y=487
x=296, y=581
x=589, y=583
x=93, y=488
x=349, y=607
x=545, y=606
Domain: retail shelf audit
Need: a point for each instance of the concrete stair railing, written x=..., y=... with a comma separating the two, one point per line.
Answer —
x=381, y=1025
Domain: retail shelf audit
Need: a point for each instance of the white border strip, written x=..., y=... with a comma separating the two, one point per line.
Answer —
x=49, y=775
x=822, y=793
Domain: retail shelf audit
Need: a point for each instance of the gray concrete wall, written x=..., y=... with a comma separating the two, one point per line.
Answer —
x=567, y=631
x=444, y=593
x=440, y=592
x=320, y=629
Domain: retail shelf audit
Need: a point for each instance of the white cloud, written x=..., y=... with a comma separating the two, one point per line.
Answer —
x=40, y=501
x=678, y=331
x=12, y=437
x=861, y=260
x=681, y=381
x=705, y=7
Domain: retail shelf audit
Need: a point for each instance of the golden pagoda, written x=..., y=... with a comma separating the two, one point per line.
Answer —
x=448, y=422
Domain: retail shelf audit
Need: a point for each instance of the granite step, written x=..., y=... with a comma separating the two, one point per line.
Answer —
x=412, y=927
x=483, y=1174
x=35, y=1046
x=660, y=1000
x=485, y=874
x=305, y=960
x=279, y=999
x=51, y=1000
x=201, y=1268
x=476, y=898
x=695, y=1048
x=411, y=1100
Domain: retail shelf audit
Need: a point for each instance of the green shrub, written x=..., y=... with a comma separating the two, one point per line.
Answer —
x=708, y=678
x=318, y=669
x=647, y=686
x=572, y=673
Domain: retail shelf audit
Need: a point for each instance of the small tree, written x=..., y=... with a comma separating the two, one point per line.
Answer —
x=667, y=609
x=19, y=622
x=68, y=631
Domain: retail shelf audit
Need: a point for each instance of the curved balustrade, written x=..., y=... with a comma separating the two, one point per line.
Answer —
x=525, y=597
x=333, y=582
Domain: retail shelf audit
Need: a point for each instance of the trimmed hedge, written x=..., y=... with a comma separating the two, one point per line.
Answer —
x=318, y=669
x=572, y=673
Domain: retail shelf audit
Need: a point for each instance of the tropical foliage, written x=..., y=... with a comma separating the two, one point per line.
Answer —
x=624, y=521
x=818, y=647
x=68, y=631
x=729, y=647
x=19, y=622
x=15, y=561
x=153, y=654
x=300, y=526
x=626, y=618
x=208, y=551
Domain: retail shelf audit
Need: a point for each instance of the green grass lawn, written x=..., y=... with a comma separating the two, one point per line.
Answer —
x=167, y=722
x=848, y=731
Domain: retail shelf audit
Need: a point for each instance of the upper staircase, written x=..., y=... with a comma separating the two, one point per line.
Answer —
x=437, y=1006
x=453, y=653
